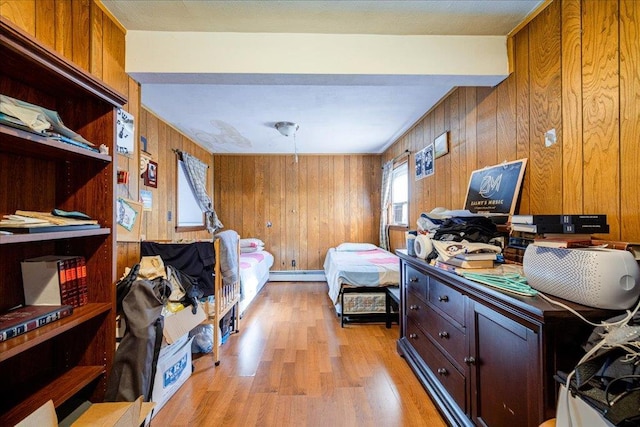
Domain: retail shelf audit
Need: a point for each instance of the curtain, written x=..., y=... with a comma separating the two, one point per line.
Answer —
x=196, y=172
x=385, y=199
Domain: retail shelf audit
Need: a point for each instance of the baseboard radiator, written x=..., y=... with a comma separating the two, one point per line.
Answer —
x=297, y=276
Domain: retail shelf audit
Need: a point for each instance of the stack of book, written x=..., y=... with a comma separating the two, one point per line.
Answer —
x=553, y=231
x=55, y=280
x=34, y=118
x=560, y=224
x=43, y=222
x=27, y=318
x=462, y=262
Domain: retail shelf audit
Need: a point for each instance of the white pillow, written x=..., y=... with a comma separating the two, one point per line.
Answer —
x=251, y=249
x=352, y=247
x=251, y=243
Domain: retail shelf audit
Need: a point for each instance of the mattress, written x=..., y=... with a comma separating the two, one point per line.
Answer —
x=254, y=274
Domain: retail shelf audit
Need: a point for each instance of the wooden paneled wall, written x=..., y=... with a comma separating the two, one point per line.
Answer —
x=312, y=205
x=576, y=71
x=162, y=139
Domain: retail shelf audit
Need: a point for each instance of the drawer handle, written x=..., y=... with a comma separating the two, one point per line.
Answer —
x=443, y=334
x=413, y=307
x=413, y=336
x=413, y=279
x=470, y=360
x=443, y=371
x=443, y=298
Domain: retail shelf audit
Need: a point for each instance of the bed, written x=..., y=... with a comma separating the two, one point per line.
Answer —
x=255, y=263
x=357, y=275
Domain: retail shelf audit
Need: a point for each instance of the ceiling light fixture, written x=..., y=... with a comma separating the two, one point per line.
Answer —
x=289, y=129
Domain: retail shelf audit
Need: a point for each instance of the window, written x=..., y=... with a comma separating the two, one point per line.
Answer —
x=399, y=214
x=189, y=212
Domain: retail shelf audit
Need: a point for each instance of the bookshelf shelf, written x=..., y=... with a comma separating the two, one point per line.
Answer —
x=21, y=343
x=39, y=174
x=21, y=141
x=59, y=390
x=38, y=237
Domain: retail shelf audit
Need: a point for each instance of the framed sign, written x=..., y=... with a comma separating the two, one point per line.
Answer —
x=441, y=145
x=424, y=162
x=125, y=132
x=151, y=174
x=495, y=189
x=128, y=220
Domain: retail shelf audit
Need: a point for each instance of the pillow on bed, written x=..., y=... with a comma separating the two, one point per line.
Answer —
x=251, y=249
x=353, y=247
x=251, y=243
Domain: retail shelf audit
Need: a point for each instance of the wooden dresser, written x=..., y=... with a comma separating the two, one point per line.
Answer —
x=486, y=357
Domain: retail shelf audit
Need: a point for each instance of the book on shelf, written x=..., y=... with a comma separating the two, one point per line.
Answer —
x=513, y=254
x=55, y=280
x=23, y=319
x=632, y=247
x=578, y=219
x=46, y=228
x=478, y=263
x=519, y=242
x=560, y=242
x=474, y=256
x=561, y=228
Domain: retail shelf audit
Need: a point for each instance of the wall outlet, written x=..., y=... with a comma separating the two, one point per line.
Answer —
x=168, y=215
x=293, y=263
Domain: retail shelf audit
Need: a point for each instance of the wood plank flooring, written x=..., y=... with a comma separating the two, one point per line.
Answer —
x=292, y=365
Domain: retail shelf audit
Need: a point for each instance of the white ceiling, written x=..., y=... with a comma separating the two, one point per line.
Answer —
x=361, y=89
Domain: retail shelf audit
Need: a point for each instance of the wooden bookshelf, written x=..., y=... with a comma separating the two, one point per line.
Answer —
x=38, y=173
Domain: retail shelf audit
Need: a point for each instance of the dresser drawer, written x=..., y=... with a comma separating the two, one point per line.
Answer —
x=416, y=282
x=450, y=338
x=452, y=380
x=417, y=310
x=447, y=299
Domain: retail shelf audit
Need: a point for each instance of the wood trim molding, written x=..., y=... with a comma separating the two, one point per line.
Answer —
x=106, y=11
x=529, y=18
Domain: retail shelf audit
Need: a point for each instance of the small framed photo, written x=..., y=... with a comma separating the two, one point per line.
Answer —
x=151, y=174
x=441, y=144
x=428, y=163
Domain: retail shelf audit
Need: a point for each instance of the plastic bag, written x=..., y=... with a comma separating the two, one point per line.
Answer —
x=203, y=339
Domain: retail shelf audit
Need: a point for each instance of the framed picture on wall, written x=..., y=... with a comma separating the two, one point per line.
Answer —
x=151, y=174
x=441, y=145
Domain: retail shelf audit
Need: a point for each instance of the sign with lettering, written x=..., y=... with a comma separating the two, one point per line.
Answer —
x=495, y=189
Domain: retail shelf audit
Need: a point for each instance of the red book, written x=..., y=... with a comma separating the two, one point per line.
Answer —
x=65, y=292
x=27, y=318
x=72, y=278
x=81, y=273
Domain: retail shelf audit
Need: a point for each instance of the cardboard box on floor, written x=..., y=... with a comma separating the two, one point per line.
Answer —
x=172, y=371
x=180, y=323
x=116, y=414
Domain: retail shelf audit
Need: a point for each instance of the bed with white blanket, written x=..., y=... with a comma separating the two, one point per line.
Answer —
x=357, y=274
x=255, y=263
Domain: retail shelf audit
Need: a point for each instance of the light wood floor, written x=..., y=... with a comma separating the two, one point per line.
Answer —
x=292, y=365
